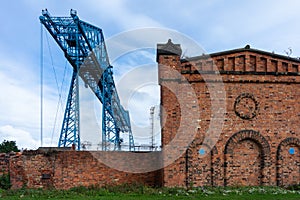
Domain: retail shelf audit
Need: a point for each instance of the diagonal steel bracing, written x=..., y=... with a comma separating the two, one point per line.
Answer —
x=84, y=47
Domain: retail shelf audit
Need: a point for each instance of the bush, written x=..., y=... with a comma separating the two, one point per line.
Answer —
x=8, y=146
x=5, y=182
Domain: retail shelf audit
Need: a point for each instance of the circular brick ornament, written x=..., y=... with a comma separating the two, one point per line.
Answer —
x=246, y=106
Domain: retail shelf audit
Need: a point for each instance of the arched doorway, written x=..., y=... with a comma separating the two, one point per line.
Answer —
x=288, y=162
x=246, y=153
x=200, y=165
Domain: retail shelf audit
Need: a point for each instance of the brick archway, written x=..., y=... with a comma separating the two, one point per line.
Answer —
x=200, y=168
x=197, y=143
x=238, y=168
x=288, y=165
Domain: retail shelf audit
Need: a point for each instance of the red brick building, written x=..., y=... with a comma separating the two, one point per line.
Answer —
x=229, y=118
x=259, y=139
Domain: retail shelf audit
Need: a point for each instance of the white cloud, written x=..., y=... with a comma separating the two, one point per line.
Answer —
x=262, y=24
x=20, y=103
x=216, y=24
x=17, y=102
x=119, y=13
x=23, y=138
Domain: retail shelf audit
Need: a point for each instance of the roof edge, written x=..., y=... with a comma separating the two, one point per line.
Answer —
x=246, y=49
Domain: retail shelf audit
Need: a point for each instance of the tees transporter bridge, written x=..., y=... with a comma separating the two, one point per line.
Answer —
x=84, y=47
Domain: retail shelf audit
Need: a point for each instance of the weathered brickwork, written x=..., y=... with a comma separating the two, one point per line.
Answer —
x=256, y=143
x=4, y=163
x=67, y=169
x=259, y=140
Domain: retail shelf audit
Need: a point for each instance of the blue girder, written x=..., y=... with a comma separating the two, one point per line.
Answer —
x=84, y=47
x=70, y=129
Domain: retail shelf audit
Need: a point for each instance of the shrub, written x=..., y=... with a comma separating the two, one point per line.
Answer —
x=5, y=181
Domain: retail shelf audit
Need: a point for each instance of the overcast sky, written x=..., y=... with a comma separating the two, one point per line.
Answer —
x=216, y=25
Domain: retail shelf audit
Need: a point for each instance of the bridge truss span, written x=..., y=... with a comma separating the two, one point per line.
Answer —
x=84, y=47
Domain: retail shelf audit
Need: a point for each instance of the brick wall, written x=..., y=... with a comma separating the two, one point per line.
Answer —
x=67, y=169
x=4, y=163
x=259, y=141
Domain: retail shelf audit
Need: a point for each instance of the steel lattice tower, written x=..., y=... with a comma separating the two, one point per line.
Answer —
x=84, y=47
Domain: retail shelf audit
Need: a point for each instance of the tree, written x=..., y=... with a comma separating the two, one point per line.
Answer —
x=8, y=146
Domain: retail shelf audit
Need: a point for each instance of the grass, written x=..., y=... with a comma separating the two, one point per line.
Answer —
x=137, y=192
